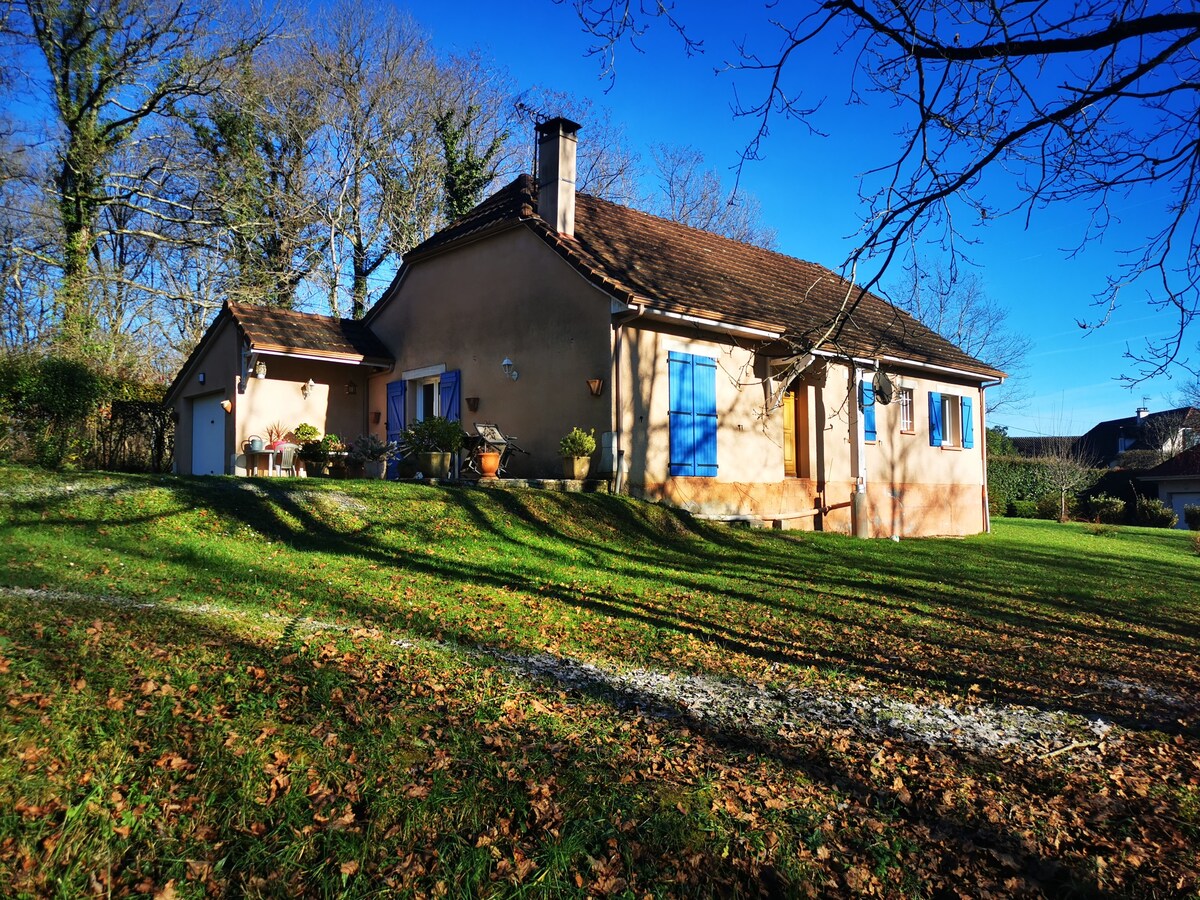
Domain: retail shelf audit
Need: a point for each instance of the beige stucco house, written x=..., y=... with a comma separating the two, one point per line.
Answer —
x=720, y=377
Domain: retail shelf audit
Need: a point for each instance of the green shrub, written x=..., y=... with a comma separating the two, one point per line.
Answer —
x=50, y=402
x=1153, y=513
x=1191, y=515
x=303, y=433
x=1103, y=508
x=577, y=442
x=997, y=503
x=433, y=434
x=1049, y=506
x=1023, y=509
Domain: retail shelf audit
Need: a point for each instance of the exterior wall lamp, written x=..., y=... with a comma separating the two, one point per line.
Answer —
x=507, y=366
x=260, y=369
x=595, y=386
x=307, y=388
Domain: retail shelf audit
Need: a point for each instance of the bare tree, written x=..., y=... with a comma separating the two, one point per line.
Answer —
x=112, y=67
x=960, y=310
x=259, y=175
x=1068, y=469
x=1089, y=103
x=691, y=193
x=608, y=167
x=382, y=152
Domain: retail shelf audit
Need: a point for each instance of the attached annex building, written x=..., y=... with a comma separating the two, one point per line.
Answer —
x=723, y=378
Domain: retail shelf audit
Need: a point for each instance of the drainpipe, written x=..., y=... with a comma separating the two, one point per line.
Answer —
x=858, y=457
x=619, y=322
x=987, y=512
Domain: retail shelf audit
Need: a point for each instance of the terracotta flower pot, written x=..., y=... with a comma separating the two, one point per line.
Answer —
x=489, y=463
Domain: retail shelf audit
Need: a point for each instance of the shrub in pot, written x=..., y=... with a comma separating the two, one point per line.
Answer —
x=432, y=441
x=576, y=449
x=372, y=454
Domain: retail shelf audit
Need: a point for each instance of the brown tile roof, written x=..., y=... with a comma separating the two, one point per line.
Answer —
x=1182, y=465
x=282, y=330
x=641, y=258
x=1103, y=441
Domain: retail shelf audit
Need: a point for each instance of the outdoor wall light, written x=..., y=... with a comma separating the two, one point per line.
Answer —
x=507, y=366
x=351, y=388
x=473, y=404
x=260, y=369
x=200, y=378
x=307, y=388
x=227, y=405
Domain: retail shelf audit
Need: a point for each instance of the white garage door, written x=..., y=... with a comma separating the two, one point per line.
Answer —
x=1179, y=501
x=208, y=436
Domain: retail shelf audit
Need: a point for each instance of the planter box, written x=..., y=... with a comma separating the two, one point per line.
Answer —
x=575, y=468
x=434, y=465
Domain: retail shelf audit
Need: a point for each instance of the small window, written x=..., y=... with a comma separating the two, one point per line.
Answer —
x=951, y=421
x=907, y=424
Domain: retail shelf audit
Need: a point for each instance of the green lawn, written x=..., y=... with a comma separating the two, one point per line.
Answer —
x=271, y=688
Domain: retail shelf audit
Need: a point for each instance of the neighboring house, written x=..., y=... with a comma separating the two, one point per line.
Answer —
x=720, y=377
x=1163, y=433
x=1178, y=481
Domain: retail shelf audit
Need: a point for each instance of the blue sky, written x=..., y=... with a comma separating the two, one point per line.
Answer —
x=808, y=184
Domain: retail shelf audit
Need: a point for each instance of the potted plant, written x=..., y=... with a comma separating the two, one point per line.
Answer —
x=433, y=441
x=303, y=433
x=276, y=436
x=372, y=454
x=576, y=450
x=315, y=456
x=335, y=449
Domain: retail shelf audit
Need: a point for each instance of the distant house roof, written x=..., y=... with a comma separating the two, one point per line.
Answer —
x=273, y=330
x=1182, y=465
x=1104, y=441
x=672, y=268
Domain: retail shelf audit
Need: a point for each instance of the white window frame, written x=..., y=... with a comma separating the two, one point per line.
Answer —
x=908, y=421
x=420, y=414
x=952, y=421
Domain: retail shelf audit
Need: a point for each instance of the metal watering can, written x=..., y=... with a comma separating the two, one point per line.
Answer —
x=255, y=444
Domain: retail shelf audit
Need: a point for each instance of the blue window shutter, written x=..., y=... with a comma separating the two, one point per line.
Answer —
x=704, y=406
x=681, y=436
x=968, y=424
x=451, y=405
x=867, y=390
x=397, y=395
x=935, y=419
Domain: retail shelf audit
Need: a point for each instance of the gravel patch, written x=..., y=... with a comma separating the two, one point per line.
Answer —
x=730, y=704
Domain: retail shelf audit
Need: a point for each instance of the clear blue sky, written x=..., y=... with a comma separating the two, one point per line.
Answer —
x=808, y=184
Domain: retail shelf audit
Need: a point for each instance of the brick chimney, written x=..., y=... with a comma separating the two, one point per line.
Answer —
x=556, y=174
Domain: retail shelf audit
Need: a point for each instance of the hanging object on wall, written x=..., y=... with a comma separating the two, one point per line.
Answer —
x=884, y=389
x=260, y=369
x=307, y=388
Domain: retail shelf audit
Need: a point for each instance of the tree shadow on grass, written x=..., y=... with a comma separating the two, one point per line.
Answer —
x=966, y=841
x=861, y=625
